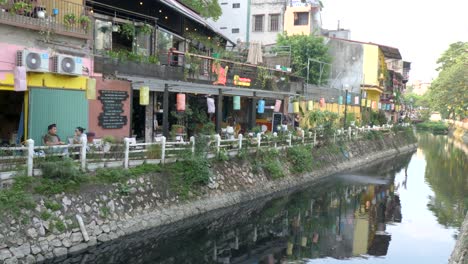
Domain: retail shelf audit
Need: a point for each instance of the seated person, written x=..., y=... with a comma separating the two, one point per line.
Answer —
x=79, y=134
x=51, y=138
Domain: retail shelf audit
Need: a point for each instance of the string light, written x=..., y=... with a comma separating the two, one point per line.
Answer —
x=160, y=11
x=186, y=28
x=166, y=17
x=141, y=3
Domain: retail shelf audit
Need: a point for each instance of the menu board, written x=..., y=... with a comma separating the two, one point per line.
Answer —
x=112, y=109
x=276, y=121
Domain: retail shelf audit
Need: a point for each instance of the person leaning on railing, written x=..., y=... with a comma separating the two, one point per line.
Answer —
x=51, y=138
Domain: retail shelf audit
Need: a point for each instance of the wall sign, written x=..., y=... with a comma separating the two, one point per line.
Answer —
x=112, y=108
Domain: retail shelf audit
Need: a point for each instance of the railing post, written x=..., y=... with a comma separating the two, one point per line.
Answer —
x=303, y=136
x=259, y=140
x=30, y=162
x=192, y=140
x=315, y=138
x=84, y=146
x=127, y=150
x=275, y=135
x=240, y=141
x=349, y=133
x=218, y=143
x=290, y=139
x=163, y=150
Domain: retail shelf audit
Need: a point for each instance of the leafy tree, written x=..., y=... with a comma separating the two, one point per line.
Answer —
x=448, y=93
x=206, y=8
x=304, y=47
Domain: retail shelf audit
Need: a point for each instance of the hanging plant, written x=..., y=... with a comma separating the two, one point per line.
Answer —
x=145, y=29
x=84, y=22
x=69, y=19
x=127, y=30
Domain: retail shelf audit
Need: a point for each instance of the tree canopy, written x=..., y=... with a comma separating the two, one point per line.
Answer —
x=304, y=47
x=206, y=8
x=449, y=92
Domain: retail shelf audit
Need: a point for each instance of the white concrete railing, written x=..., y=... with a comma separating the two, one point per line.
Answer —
x=134, y=153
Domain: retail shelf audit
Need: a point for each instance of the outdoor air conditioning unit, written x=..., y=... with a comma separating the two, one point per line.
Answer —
x=33, y=61
x=67, y=65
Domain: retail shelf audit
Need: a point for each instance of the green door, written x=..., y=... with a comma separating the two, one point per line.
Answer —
x=66, y=108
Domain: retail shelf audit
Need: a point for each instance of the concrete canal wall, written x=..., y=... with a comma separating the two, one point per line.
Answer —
x=94, y=216
x=460, y=252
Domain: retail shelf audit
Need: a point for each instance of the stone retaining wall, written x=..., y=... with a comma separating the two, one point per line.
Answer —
x=108, y=215
x=460, y=252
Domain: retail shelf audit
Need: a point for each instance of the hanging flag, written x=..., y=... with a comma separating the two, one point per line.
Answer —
x=277, y=105
x=310, y=105
x=295, y=107
x=144, y=95
x=180, y=102
x=322, y=102
x=211, y=105
x=261, y=106
x=237, y=102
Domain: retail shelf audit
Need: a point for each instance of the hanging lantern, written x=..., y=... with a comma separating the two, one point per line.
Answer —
x=277, y=105
x=369, y=103
x=261, y=106
x=373, y=104
x=211, y=105
x=237, y=103
x=144, y=95
x=388, y=107
x=380, y=105
x=340, y=100
x=393, y=106
x=356, y=100
x=348, y=99
x=322, y=102
x=296, y=107
x=290, y=107
x=310, y=105
x=180, y=102
x=363, y=102
x=303, y=105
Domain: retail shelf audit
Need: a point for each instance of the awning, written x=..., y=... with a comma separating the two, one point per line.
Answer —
x=189, y=13
x=158, y=85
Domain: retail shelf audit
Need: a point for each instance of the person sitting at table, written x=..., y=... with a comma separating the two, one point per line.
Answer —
x=51, y=138
x=79, y=134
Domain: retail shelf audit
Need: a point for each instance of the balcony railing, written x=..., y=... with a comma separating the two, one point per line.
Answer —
x=201, y=69
x=58, y=16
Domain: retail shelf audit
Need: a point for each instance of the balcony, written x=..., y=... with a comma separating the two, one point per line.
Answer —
x=179, y=66
x=57, y=16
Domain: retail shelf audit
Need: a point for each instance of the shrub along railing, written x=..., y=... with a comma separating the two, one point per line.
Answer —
x=129, y=154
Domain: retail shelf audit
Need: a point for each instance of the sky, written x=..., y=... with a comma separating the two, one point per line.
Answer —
x=421, y=29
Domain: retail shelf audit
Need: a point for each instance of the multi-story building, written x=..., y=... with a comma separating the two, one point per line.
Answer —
x=267, y=20
x=234, y=21
x=302, y=17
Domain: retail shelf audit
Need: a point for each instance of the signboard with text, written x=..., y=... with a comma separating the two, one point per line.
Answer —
x=112, y=109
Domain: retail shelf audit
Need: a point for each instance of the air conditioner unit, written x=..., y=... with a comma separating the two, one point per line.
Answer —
x=33, y=61
x=67, y=65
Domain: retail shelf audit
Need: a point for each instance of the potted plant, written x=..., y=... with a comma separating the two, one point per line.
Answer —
x=127, y=30
x=69, y=19
x=84, y=22
x=107, y=141
x=21, y=8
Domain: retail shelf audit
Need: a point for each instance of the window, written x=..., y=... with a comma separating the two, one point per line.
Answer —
x=223, y=28
x=258, y=23
x=224, y=3
x=235, y=30
x=274, y=22
x=236, y=5
x=301, y=18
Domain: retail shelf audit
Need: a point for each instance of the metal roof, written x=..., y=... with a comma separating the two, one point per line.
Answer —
x=189, y=13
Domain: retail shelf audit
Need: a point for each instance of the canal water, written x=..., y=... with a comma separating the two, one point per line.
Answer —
x=406, y=210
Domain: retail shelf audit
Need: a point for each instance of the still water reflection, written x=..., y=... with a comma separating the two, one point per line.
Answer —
x=403, y=211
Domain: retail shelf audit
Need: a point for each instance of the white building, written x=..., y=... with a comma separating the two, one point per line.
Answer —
x=266, y=20
x=233, y=22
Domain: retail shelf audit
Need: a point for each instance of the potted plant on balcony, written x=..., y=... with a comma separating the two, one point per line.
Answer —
x=127, y=30
x=21, y=8
x=69, y=19
x=145, y=29
x=84, y=22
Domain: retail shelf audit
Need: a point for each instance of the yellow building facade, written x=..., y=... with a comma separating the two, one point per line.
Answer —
x=373, y=70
